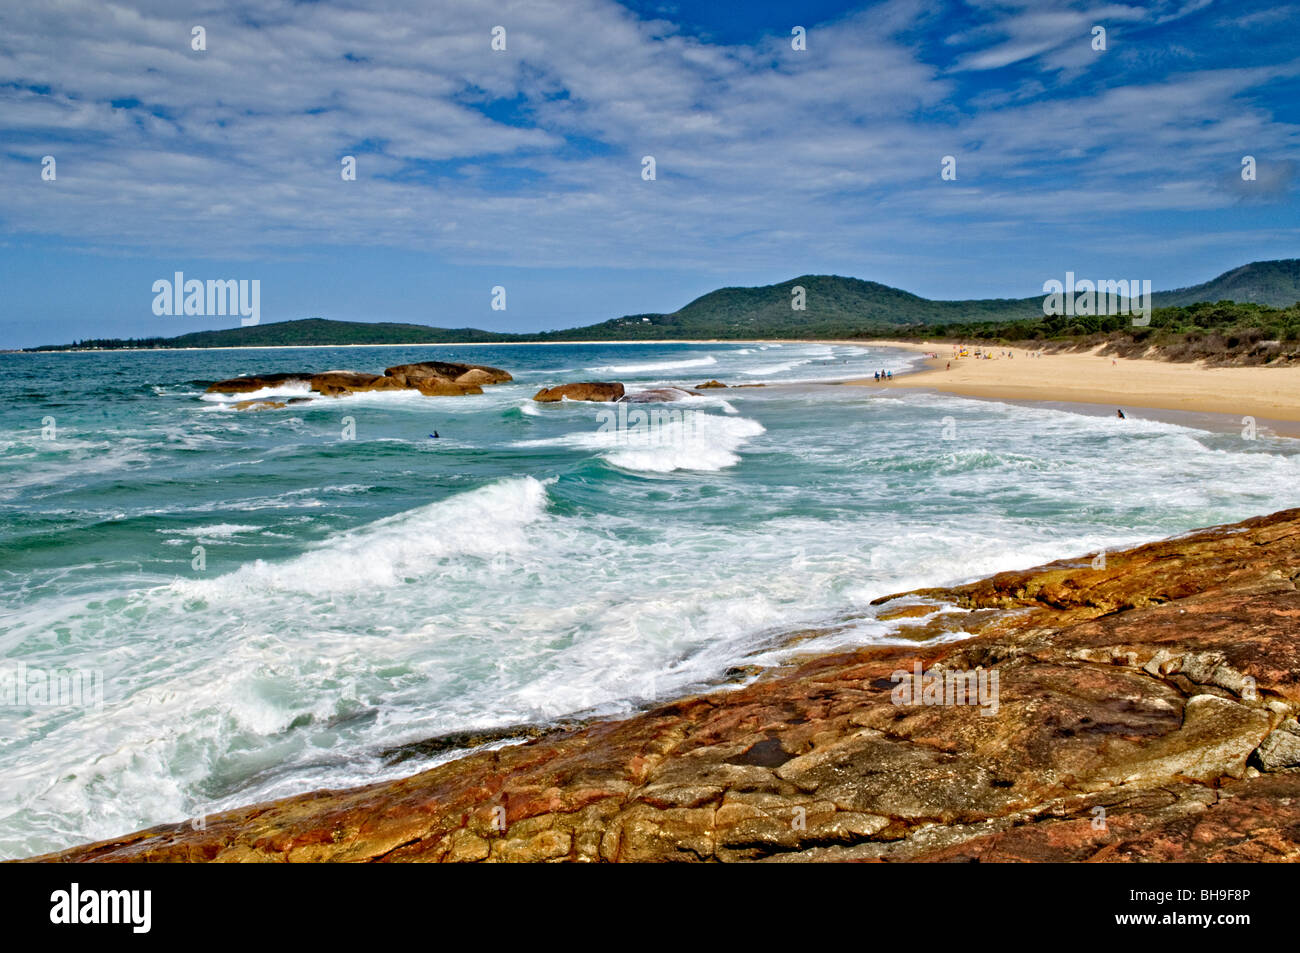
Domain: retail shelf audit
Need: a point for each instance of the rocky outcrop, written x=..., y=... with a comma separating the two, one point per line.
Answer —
x=431, y=378
x=709, y=384
x=433, y=386
x=259, y=405
x=336, y=383
x=1140, y=707
x=478, y=374
x=583, y=390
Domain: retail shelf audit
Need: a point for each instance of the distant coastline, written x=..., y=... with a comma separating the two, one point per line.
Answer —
x=297, y=347
x=1250, y=314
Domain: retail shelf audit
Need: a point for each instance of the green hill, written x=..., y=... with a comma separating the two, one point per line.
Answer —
x=308, y=331
x=1274, y=283
x=835, y=307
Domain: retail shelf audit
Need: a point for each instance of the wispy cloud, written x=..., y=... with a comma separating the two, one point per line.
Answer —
x=532, y=156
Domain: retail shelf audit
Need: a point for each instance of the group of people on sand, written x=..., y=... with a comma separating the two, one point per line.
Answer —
x=884, y=376
x=987, y=354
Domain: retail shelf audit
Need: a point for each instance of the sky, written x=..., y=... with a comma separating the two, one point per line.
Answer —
x=523, y=168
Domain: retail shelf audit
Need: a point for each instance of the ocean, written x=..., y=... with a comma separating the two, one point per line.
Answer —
x=270, y=601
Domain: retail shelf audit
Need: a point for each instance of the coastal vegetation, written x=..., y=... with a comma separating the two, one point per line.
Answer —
x=1248, y=315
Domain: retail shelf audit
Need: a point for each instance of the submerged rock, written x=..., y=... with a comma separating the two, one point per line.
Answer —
x=707, y=384
x=1144, y=711
x=582, y=390
x=246, y=385
x=258, y=405
x=658, y=395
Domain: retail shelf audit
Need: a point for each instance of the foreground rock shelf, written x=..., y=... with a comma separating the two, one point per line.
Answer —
x=1145, y=713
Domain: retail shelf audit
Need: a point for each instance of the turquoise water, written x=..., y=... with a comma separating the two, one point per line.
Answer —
x=534, y=563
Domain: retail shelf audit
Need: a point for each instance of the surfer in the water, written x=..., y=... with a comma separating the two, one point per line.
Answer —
x=434, y=435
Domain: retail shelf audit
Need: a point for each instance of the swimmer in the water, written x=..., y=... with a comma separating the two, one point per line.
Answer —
x=434, y=435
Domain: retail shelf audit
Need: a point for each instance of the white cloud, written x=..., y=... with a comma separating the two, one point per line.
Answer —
x=764, y=154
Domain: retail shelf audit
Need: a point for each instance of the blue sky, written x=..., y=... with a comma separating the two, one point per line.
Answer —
x=522, y=168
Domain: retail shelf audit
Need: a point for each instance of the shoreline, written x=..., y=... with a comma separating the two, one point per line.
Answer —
x=1271, y=395
x=1116, y=687
x=295, y=347
x=1072, y=378
x=245, y=836
x=1218, y=399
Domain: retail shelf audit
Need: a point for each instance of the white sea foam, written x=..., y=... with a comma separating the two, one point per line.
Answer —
x=767, y=370
x=660, y=438
x=695, y=442
x=389, y=551
x=523, y=600
x=302, y=389
x=215, y=531
x=660, y=366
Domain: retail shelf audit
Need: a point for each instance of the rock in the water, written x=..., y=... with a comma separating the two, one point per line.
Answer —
x=707, y=384
x=432, y=378
x=258, y=405
x=658, y=395
x=434, y=386
x=478, y=376
x=335, y=383
x=582, y=390
x=246, y=385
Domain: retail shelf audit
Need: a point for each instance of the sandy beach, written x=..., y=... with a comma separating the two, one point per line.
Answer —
x=1016, y=374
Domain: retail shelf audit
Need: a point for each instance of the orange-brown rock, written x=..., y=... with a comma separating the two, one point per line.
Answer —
x=258, y=405
x=708, y=384
x=336, y=383
x=1144, y=711
x=432, y=378
x=479, y=377
x=433, y=386
x=451, y=371
x=582, y=390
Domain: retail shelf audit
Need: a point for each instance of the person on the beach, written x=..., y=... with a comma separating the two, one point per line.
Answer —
x=877, y=376
x=949, y=367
